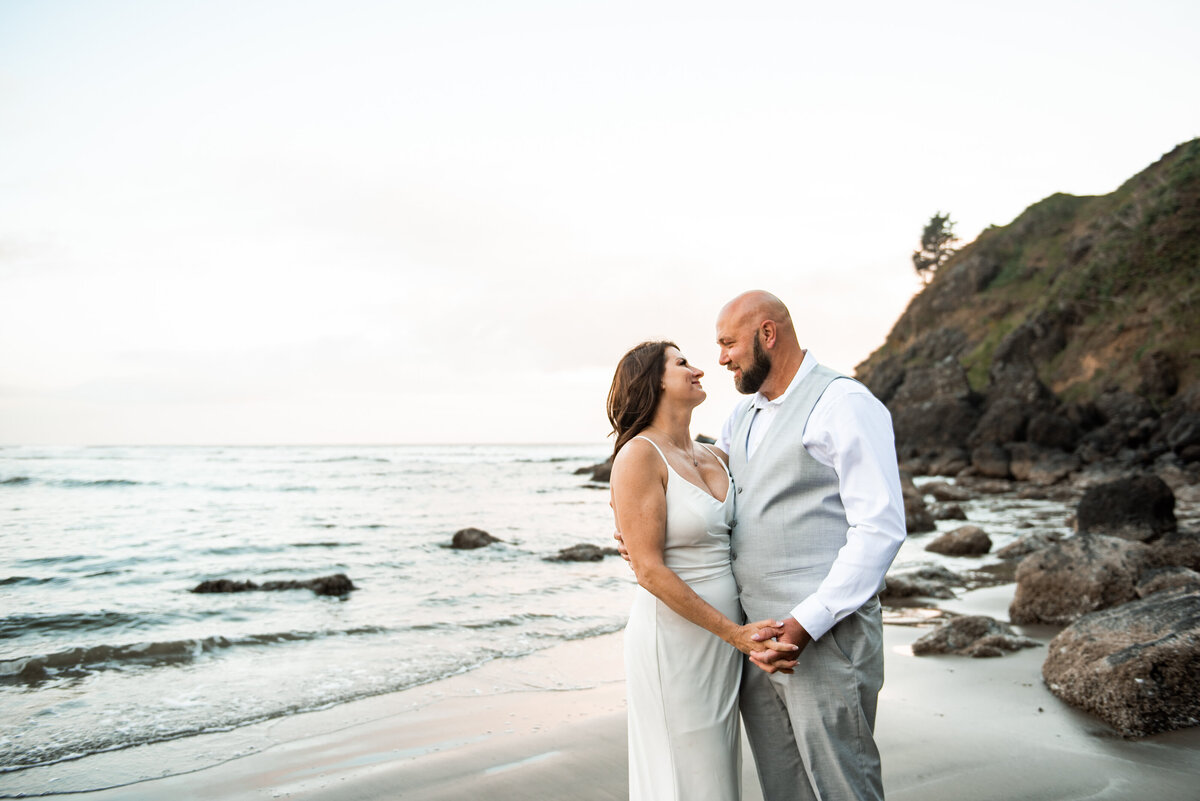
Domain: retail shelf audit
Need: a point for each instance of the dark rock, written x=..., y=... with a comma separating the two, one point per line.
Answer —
x=1184, y=433
x=916, y=515
x=1177, y=549
x=934, y=425
x=603, y=471
x=949, y=511
x=962, y=541
x=1043, y=467
x=1134, y=666
x=1028, y=543
x=943, y=491
x=884, y=378
x=703, y=439
x=1085, y=415
x=974, y=635
x=929, y=582
x=1160, y=377
x=991, y=461
x=1168, y=578
x=1138, y=508
x=1119, y=405
x=1003, y=421
x=1082, y=574
x=943, y=380
x=1052, y=430
x=582, y=553
x=469, y=538
x=948, y=462
x=985, y=486
x=336, y=584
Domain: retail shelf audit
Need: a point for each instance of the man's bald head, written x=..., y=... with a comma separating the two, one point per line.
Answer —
x=758, y=343
x=750, y=310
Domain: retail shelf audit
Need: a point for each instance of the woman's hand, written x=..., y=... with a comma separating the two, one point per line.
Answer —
x=742, y=638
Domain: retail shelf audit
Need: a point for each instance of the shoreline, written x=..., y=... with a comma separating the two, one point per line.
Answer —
x=552, y=725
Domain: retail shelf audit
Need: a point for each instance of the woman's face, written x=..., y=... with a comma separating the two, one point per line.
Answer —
x=681, y=381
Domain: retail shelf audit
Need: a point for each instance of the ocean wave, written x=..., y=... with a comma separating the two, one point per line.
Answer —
x=15, y=480
x=102, y=482
x=28, y=580
x=74, y=662
x=17, y=625
x=332, y=460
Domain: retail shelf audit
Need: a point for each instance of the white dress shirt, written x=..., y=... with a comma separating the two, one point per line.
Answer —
x=850, y=431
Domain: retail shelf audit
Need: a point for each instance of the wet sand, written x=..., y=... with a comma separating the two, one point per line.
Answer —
x=552, y=725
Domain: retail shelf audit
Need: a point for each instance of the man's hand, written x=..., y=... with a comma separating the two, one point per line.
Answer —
x=621, y=549
x=778, y=661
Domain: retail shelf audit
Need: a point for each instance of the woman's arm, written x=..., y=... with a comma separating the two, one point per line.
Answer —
x=640, y=505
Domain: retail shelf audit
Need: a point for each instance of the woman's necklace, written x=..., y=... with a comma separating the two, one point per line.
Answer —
x=691, y=454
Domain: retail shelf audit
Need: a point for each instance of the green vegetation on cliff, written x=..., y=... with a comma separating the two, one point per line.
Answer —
x=1110, y=286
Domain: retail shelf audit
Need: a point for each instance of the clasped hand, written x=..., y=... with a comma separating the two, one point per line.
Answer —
x=772, y=645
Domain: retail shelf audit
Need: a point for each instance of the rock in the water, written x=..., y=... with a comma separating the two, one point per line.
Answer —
x=1042, y=467
x=1081, y=574
x=582, y=553
x=470, y=538
x=1133, y=666
x=1135, y=508
x=975, y=635
x=336, y=584
x=928, y=582
x=1028, y=543
x=599, y=472
x=944, y=491
x=1168, y=578
x=949, y=511
x=962, y=541
x=990, y=460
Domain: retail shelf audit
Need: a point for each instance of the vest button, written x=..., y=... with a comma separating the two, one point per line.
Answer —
x=733, y=556
x=739, y=490
x=733, y=524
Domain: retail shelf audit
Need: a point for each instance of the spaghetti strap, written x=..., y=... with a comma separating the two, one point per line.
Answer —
x=715, y=456
x=660, y=453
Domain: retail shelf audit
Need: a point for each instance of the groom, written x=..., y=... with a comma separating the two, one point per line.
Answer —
x=820, y=517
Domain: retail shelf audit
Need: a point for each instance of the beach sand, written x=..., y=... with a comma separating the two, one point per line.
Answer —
x=552, y=726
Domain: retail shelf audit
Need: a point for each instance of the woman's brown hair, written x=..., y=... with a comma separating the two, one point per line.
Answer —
x=636, y=386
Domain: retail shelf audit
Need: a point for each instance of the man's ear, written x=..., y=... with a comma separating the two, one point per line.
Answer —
x=769, y=332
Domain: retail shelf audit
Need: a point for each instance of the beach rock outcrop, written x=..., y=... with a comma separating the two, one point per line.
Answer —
x=1081, y=574
x=583, y=552
x=1167, y=578
x=1177, y=548
x=930, y=582
x=944, y=491
x=336, y=584
x=962, y=541
x=1138, y=508
x=1133, y=666
x=949, y=511
x=466, y=539
x=974, y=635
x=598, y=472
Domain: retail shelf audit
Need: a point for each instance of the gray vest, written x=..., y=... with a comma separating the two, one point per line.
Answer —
x=790, y=520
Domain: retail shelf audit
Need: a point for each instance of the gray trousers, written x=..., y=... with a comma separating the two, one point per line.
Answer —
x=812, y=732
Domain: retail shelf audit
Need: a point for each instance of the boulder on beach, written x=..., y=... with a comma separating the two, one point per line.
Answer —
x=583, y=552
x=949, y=511
x=466, y=539
x=1138, y=508
x=962, y=541
x=336, y=584
x=973, y=635
x=1181, y=548
x=932, y=581
x=1133, y=666
x=1028, y=543
x=599, y=472
x=1167, y=578
x=1081, y=574
x=944, y=491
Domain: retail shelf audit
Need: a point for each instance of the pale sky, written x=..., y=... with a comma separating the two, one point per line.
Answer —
x=392, y=222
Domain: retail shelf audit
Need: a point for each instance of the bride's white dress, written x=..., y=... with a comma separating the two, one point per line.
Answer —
x=681, y=680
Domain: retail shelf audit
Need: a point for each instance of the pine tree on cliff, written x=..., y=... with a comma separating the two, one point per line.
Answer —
x=936, y=242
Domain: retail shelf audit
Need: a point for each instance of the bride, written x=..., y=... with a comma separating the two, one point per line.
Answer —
x=674, y=506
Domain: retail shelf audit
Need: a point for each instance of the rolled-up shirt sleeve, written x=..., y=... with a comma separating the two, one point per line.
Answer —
x=851, y=431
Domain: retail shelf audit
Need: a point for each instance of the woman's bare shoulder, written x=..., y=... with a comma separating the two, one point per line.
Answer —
x=637, y=460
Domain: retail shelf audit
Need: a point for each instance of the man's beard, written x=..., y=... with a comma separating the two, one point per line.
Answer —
x=754, y=376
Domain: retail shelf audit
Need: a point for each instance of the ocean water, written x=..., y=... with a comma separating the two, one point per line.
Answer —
x=103, y=645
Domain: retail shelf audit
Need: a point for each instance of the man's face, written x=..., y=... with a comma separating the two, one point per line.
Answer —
x=742, y=354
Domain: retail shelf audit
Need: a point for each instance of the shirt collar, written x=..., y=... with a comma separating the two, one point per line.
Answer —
x=807, y=366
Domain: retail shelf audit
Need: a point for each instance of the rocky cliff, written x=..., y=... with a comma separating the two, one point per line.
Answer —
x=1068, y=338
